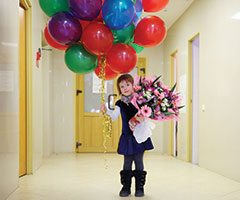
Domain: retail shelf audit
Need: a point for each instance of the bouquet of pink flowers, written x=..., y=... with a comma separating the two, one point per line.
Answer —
x=156, y=101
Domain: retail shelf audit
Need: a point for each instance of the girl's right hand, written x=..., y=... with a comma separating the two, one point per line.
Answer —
x=103, y=108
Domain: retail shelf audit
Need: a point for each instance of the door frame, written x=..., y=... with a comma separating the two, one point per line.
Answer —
x=27, y=5
x=190, y=97
x=171, y=126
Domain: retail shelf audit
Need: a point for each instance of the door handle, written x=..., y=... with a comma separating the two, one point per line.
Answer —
x=109, y=101
x=78, y=92
x=78, y=144
x=143, y=70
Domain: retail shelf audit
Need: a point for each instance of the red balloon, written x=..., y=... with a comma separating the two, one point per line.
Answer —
x=109, y=74
x=122, y=58
x=154, y=5
x=97, y=38
x=84, y=23
x=53, y=43
x=150, y=31
x=100, y=17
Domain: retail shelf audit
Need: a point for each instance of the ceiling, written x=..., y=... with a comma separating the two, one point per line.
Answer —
x=172, y=12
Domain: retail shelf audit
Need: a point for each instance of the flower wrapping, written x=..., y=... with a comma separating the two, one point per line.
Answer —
x=143, y=130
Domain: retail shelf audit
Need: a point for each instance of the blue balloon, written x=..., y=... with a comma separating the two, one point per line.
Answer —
x=118, y=14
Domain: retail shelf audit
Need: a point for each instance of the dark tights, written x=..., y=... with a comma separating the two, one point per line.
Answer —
x=138, y=161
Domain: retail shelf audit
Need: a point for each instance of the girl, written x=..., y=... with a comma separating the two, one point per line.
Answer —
x=128, y=145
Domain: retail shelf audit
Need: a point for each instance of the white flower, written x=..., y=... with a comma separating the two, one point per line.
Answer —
x=165, y=100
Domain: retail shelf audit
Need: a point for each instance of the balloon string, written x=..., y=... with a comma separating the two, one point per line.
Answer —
x=107, y=122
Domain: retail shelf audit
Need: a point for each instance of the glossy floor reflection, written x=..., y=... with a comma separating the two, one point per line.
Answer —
x=96, y=176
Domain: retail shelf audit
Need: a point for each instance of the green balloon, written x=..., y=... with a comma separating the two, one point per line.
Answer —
x=79, y=60
x=123, y=35
x=51, y=7
x=136, y=47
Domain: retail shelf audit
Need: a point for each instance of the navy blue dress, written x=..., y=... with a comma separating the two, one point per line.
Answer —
x=127, y=142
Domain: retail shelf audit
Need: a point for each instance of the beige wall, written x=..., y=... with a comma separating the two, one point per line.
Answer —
x=9, y=94
x=219, y=79
x=47, y=68
x=63, y=105
x=40, y=95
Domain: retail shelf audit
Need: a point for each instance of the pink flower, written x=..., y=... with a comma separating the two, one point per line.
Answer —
x=137, y=87
x=161, y=96
x=136, y=78
x=134, y=101
x=156, y=92
x=171, y=110
x=146, y=111
x=165, y=87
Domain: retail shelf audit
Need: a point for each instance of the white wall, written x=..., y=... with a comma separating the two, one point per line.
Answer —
x=47, y=67
x=9, y=103
x=38, y=23
x=218, y=79
x=63, y=105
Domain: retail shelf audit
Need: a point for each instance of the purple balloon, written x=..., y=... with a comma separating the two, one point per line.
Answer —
x=138, y=12
x=85, y=9
x=138, y=6
x=64, y=28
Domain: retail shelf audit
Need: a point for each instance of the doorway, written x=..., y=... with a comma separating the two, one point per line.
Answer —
x=89, y=120
x=88, y=123
x=174, y=124
x=25, y=100
x=22, y=94
x=193, y=103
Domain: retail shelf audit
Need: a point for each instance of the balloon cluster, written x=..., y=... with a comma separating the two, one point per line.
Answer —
x=90, y=30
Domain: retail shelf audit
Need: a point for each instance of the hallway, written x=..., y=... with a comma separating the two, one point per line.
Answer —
x=85, y=177
x=49, y=111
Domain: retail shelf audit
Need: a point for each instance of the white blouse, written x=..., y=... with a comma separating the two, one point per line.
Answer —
x=113, y=113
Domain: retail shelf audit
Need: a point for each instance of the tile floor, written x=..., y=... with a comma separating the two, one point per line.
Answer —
x=96, y=177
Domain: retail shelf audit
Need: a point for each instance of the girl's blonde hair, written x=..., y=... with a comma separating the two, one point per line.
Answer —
x=124, y=77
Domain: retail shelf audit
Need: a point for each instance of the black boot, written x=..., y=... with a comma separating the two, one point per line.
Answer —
x=126, y=181
x=140, y=179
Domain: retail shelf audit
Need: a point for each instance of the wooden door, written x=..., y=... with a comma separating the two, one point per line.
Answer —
x=89, y=120
x=22, y=93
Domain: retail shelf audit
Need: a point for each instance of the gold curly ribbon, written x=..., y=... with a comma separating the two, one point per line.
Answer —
x=107, y=121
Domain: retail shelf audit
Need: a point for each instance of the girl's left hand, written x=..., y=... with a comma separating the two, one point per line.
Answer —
x=137, y=119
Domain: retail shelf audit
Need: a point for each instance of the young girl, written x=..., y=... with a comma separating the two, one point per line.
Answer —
x=128, y=145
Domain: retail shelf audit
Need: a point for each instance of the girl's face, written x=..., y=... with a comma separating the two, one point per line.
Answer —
x=126, y=88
